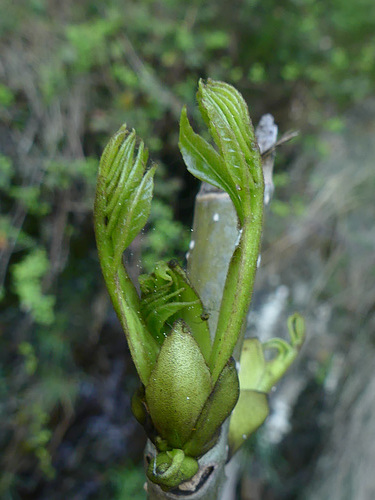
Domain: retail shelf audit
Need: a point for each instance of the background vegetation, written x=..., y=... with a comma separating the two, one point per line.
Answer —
x=71, y=74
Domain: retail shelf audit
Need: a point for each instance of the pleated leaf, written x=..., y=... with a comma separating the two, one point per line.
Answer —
x=204, y=162
x=122, y=206
x=235, y=166
x=168, y=296
x=128, y=190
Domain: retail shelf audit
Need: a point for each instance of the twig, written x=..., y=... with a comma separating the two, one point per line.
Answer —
x=288, y=136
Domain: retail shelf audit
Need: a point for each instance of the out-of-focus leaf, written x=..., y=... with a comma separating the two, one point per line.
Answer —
x=286, y=352
x=252, y=364
x=248, y=415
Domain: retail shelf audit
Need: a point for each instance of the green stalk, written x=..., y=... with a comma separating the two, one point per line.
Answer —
x=143, y=347
x=239, y=285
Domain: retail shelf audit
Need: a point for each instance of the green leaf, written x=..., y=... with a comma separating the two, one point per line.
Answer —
x=171, y=468
x=156, y=320
x=168, y=296
x=122, y=206
x=286, y=353
x=134, y=215
x=252, y=407
x=228, y=132
x=160, y=276
x=216, y=409
x=252, y=365
x=235, y=167
x=248, y=415
x=255, y=372
x=27, y=276
x=193, y=314
x=257, y=377
x=127, y=190
x=203, y=161
x=178, y=387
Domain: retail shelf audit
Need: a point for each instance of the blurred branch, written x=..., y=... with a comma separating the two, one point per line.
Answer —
x=17, y=220
x=59, y=241
x=149, y=81
x=266, y=134
x=288, y=136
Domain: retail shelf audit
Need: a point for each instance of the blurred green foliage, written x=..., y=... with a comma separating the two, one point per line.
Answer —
x=27, y=276
x=72, y=72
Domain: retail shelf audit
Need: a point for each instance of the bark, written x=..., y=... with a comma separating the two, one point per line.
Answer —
x=345, y=468
x=213, y=241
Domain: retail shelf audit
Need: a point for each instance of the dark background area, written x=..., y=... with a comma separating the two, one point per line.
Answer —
x=70, y=74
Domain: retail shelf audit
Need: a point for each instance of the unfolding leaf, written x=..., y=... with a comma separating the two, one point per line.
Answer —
x=171, y=468
x=134, y=215
x=126, y=190
x=285, y=353
x=204, y=162
x=122, y=205
x=157, y=319
x=226, y=115
x=252, y=364
x=227, y=134
x=257, y=373
x=168, y=296
x=235, y=166
x=248, y=415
